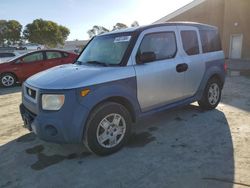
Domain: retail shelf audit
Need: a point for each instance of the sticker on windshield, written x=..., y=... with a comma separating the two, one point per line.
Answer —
x=122, y=39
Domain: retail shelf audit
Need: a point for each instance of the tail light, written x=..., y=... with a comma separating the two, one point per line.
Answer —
x=225, y=67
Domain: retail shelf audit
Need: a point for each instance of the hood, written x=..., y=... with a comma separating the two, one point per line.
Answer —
x=75, y=76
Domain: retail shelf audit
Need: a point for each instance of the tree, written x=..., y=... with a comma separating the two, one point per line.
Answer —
x=97, y=30
x=14, y=29
x=45, y=32
x=10, y=31
x=3, y=30
x=64, y=32
x=118, y=26
x=135, y=24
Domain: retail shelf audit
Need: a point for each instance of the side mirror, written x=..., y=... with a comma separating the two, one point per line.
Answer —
x=19, y=61
x=146, y=57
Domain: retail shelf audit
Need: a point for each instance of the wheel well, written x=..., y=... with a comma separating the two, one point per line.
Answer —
x=217, y=77
x=123, y=101
x=9, y=73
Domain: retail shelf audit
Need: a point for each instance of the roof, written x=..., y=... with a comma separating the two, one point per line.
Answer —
x=200, y=26
x=180, y=11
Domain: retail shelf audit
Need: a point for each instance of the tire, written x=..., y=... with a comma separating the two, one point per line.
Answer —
x=38, y=48
x=7, y=80
x=212, y=95
x=105, y=135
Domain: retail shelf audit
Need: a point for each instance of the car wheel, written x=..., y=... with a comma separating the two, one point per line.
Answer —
x=108, y=128
x=212, y=95
x=38, y=48
x=8, y=79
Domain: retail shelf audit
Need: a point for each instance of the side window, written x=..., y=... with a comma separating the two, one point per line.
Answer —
x=163, y=45
x=33, y=57
x=190, y=42
x=65, y=54
x=210, y=41
x=7, y=55
x=11, y=55
x=53, y=55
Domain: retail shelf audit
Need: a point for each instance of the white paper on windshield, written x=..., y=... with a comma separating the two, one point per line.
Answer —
x=122, y=39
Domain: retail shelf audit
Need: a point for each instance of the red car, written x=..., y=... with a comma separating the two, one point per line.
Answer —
x=22, y=67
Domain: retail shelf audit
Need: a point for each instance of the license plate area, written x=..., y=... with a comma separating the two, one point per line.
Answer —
x=27, y=122
x=27, y=117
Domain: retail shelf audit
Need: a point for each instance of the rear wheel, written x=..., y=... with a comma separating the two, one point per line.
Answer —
x=8, y=80
x=107, y=129
x=212, y=95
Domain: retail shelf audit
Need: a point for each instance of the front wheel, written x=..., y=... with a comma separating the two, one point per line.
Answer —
x=212, y=95
x=8, y=80
x=107, y=129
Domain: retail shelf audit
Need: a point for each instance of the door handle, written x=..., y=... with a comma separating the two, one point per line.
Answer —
x=182, y=67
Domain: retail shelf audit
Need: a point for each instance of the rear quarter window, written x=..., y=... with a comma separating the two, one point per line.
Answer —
x=190, y=42
x=53, y=55
x=210, y=41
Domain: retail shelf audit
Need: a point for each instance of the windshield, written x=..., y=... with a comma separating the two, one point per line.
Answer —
x=105, y=50
x=15, y=58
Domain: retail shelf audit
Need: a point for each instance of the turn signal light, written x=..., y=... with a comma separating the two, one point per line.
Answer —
x=85, y=92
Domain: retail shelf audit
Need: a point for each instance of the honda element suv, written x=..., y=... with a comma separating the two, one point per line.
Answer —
x=122, y=76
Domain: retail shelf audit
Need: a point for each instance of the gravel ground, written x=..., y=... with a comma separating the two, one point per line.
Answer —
x=185, y=147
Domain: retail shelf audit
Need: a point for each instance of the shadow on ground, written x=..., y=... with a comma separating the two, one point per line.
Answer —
x=5, y=91
x=186, y=147
x=180, y=148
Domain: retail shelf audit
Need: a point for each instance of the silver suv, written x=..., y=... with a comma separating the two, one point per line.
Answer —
x=122, y=76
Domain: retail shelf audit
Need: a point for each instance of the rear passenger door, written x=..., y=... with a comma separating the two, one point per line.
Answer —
x=30, y=64
x=158, y=82
x=53, y=58
x=191, y=53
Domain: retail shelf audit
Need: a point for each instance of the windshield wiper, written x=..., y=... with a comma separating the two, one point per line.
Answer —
x=95, y=63
x=78, y=62
x=98, y=63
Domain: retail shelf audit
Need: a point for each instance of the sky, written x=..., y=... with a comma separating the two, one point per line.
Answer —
x=81, y=15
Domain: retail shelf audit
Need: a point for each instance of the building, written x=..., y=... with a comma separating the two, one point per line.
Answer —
x=74, y=45
x=232, y=17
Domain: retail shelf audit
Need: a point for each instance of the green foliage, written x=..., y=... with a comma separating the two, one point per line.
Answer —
x=3, y=29
x=10, y=31
x=46, y=32
x=97, y=30
x=14, y=31
x=135, y=24
x=118, y=26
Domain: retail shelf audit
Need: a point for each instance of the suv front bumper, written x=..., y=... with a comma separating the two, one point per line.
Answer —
x=58, y=127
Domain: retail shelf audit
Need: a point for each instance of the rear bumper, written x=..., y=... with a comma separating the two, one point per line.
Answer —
x=56, y=127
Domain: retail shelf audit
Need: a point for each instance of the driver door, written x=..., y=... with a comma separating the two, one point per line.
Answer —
x=159, y=82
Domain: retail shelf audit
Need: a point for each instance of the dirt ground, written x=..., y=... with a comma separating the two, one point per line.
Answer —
x=185, y=147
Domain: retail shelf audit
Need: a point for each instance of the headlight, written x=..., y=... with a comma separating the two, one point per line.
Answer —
x=52, y=102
